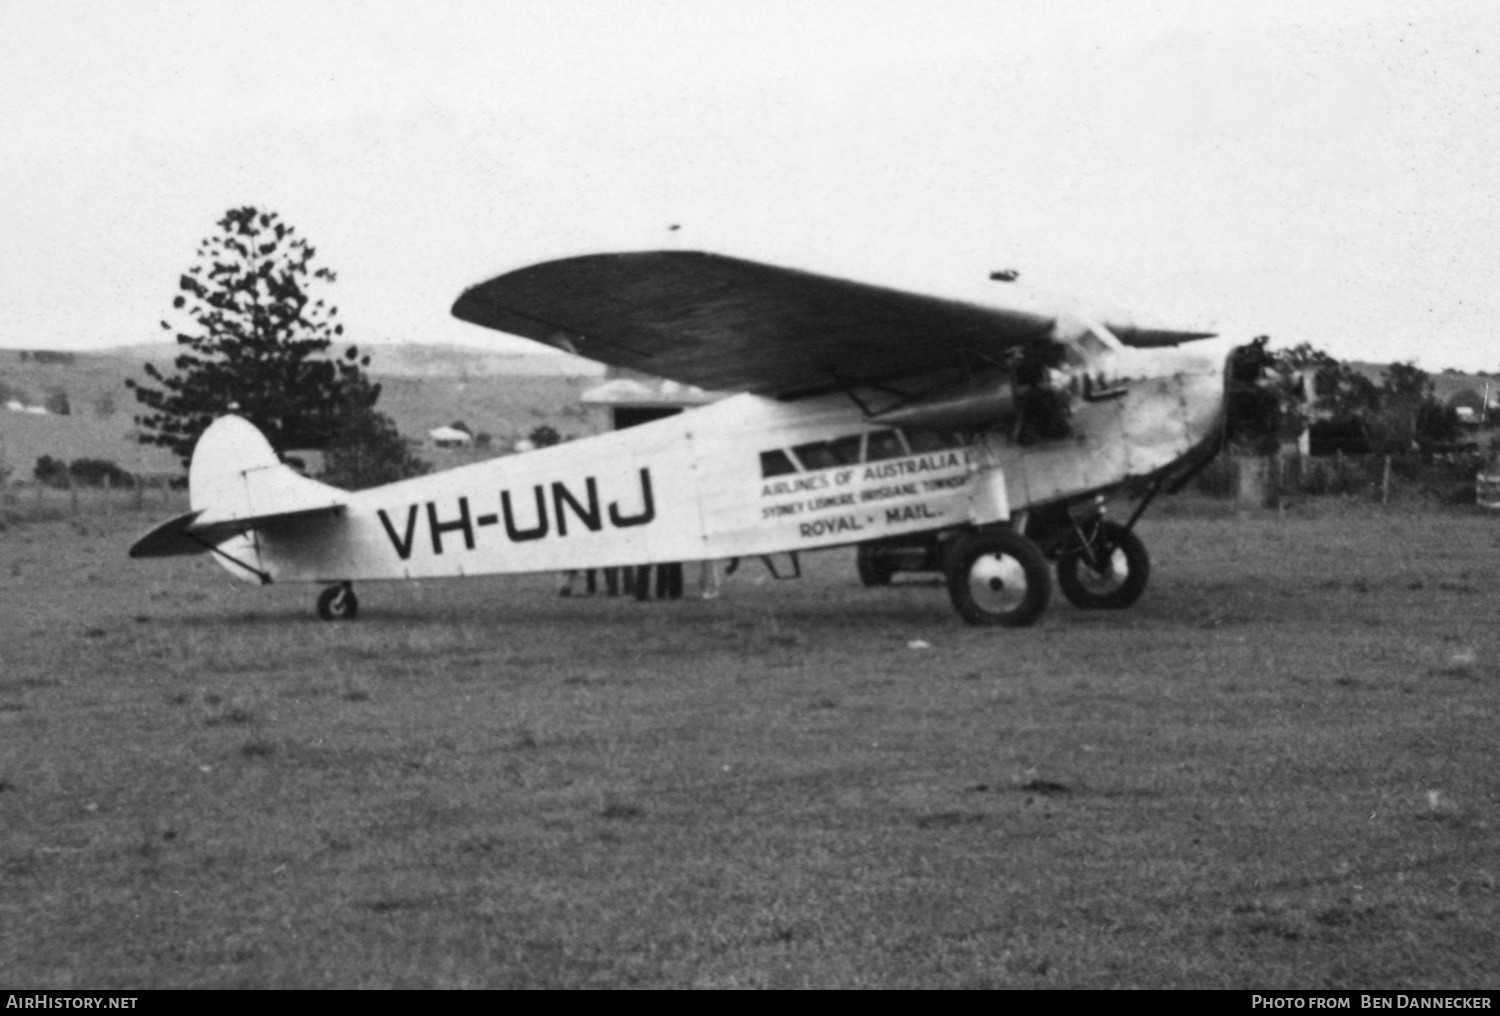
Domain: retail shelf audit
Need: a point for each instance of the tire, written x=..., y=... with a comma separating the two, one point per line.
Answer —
x=872, y=570
x=998, y=577
x=338, y=603
x=1127, y=567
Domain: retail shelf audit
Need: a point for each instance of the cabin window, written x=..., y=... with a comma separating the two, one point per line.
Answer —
x=856, y=448
x=846, y=449
x=885, y=444
x=842, y=451
x=816, y=455
x=776, y=463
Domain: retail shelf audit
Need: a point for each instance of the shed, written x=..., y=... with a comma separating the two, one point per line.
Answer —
x=450, y=437
x=636, y=400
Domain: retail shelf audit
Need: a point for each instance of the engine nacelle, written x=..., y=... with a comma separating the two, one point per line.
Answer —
x=979, y=402
x=1037, y=407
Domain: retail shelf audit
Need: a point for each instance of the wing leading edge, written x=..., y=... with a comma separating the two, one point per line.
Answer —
x=731, y=325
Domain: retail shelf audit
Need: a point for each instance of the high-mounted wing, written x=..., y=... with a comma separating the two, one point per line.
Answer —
x=727, y=324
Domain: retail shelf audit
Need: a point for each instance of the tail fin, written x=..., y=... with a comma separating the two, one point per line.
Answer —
x=236, y=477
x=225, y=451
x=236, y=483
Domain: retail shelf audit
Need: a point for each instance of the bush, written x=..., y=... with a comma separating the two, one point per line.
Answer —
x=99, y=473
x=51, y=472
x=81, y=472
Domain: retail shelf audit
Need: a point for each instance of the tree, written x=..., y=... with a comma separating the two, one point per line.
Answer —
x=51, y=472
x=1406, y=382
x=1338, y=390
x=1259, y=401
x=1409, y=416
x=1436, y=425
x=366, y=451
x=544, y=436
x=255, y=343
x=1343, y=393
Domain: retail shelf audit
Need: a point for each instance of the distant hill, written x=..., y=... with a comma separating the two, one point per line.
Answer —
x=1445, y=385
x=421, y=388
x=99, y=422
x=408, y=359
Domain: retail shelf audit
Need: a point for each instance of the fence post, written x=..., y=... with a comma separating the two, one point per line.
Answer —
x=1252, y=480
x=1487, y=488
x=1385, y=481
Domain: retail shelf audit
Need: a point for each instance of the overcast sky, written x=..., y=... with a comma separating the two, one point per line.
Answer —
x=1324, y=173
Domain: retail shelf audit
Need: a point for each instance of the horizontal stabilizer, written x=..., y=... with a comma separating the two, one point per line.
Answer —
x=189, y=534
x=170, y=539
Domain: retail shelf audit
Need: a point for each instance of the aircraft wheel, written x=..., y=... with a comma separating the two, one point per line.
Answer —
x=998, y=577
x=1120, y=578
x=338, y=603
x=872, y=570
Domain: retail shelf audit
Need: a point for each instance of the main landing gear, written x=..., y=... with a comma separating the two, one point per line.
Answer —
x=338, y=603
x=1000, y=575
x=997, y=577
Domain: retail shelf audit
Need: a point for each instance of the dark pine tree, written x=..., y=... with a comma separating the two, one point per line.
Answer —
x=255, y=341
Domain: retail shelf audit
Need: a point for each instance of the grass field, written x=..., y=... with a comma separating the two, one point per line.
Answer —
x=1278, y=770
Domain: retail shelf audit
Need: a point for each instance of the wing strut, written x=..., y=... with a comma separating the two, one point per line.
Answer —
x=265, y=577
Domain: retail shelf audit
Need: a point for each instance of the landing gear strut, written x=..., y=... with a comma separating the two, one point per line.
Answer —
x=338, y=603
x=1104, y=566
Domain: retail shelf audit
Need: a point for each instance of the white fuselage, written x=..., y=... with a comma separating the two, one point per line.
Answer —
x=745, y=476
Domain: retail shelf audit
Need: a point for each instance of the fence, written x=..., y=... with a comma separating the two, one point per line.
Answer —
x=1280, y=479
x=37, y=501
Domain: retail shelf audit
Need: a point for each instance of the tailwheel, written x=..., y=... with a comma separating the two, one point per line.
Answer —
x=338, y=603
x=1109, y=573
x=998, y=577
